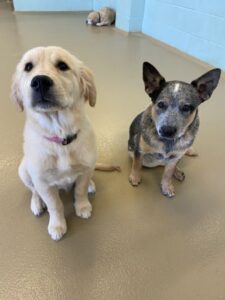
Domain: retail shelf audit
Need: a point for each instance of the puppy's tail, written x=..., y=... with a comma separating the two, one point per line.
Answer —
x=107, y=168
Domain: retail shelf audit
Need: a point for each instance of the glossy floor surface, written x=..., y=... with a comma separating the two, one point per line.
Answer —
x=137, y=244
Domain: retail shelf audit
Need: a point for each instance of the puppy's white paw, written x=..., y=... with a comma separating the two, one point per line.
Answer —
x=83, y=209
x=57, y=229
x=37, y=206
x=91, y=187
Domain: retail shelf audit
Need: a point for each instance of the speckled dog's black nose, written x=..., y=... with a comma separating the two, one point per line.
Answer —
x=41, y=84
x=168, y=131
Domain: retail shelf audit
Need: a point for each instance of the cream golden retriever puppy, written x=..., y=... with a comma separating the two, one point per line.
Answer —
x=52, y=86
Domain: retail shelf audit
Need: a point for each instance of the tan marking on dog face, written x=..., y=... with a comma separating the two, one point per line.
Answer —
x=190, y=119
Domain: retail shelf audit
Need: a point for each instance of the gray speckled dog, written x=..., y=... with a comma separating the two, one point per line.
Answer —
x=166, y=130
x=103, y=17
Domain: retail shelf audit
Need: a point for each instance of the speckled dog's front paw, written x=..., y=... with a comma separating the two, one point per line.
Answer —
x=179, y=175
x=167, y=190
x=134, y=179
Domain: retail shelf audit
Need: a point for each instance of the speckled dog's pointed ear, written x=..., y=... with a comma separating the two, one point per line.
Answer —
x=153, y=80
x=207, y=83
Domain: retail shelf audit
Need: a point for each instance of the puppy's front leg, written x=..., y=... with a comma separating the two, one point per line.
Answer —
x=57, y=223
x=82, y=205
x=135, y=175
x=167, y=187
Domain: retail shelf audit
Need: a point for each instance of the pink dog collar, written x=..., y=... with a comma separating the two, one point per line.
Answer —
x=62, y=141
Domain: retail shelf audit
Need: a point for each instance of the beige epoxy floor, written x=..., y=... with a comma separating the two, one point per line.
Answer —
x=138, y=244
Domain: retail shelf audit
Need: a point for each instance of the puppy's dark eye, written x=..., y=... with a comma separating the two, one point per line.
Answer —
x=187, y=108
x=61, y=65
x=28, y=67
x=162, y=105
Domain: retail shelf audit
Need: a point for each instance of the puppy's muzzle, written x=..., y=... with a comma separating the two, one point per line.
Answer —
x=41, y=84
x=42, y=96
x=168, y=131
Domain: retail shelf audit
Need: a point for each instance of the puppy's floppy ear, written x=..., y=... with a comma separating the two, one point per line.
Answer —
x=207, y=83
x=15, y=93
x=88, y=85
x=153, y=80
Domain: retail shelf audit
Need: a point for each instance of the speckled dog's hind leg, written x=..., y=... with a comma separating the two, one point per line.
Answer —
x=191, y=152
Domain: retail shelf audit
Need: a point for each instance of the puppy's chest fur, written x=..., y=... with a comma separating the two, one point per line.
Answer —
x=56, y=164
x=158, y=151
x=63, y=168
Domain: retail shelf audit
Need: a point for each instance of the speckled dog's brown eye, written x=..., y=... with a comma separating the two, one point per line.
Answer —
x=28, y=67
x=187, y=108
x=162, y=105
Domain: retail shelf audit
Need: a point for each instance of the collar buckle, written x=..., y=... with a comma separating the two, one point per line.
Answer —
x=69, y=139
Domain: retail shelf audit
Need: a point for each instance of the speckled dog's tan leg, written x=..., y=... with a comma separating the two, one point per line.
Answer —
x=167, y=187
x=135, y=175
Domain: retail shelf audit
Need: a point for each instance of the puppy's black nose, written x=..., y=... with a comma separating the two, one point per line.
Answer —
x=168, y=131
x=41, y=84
